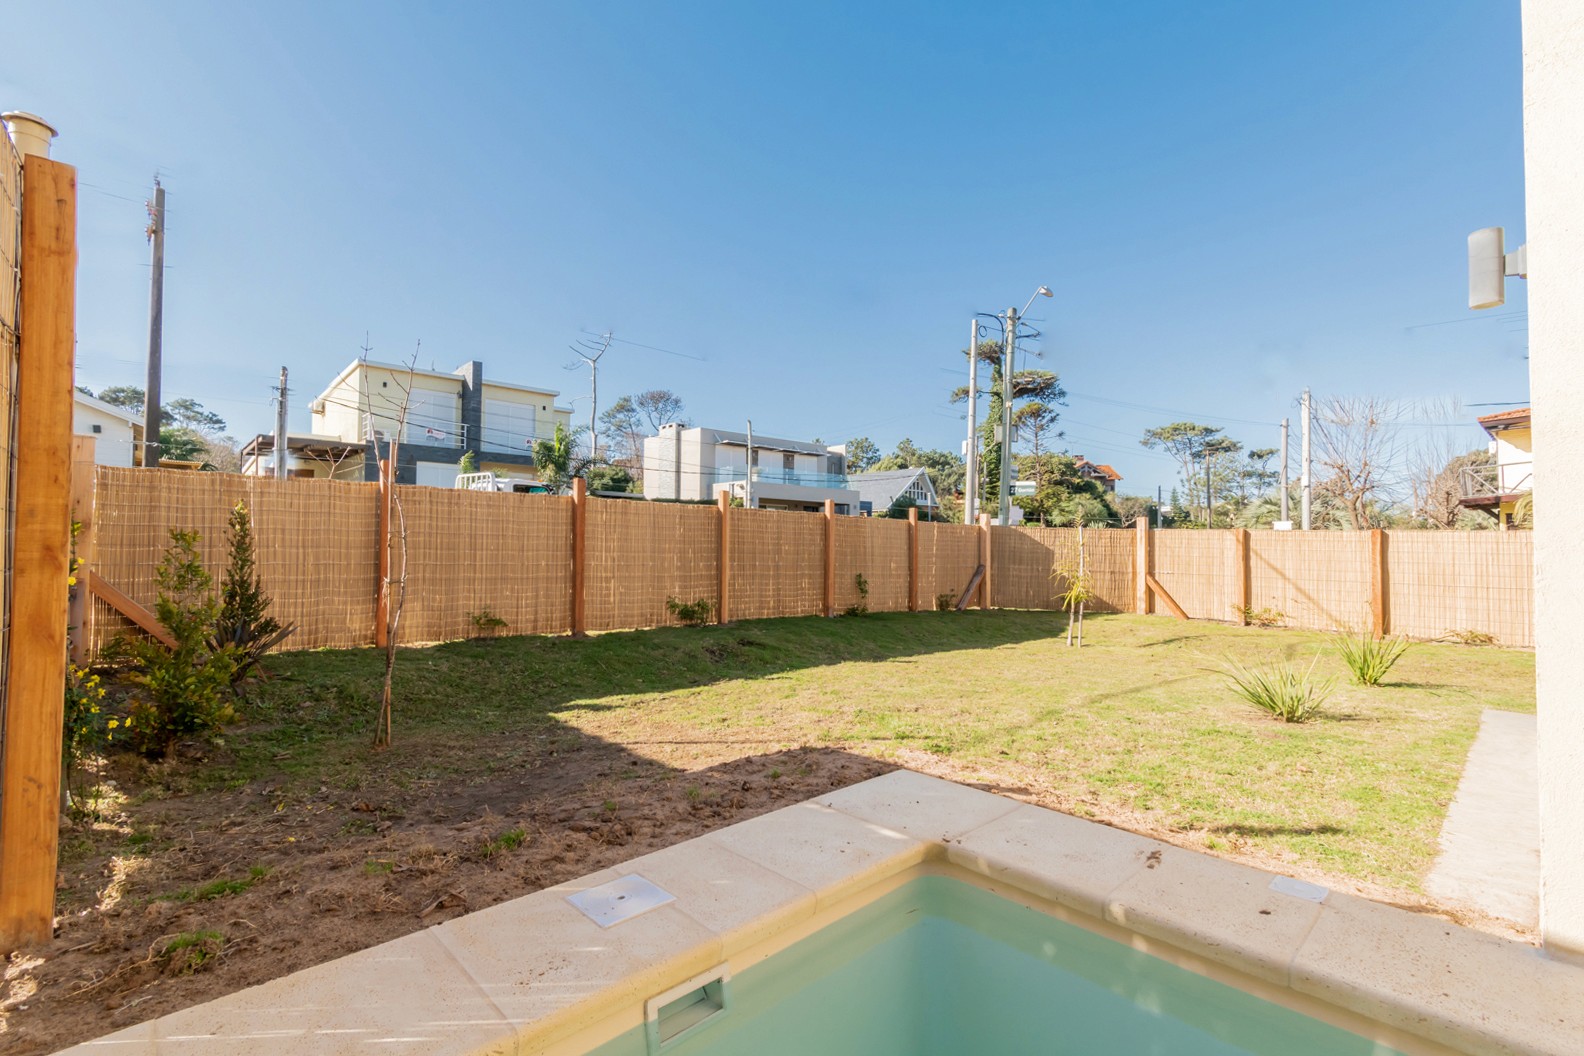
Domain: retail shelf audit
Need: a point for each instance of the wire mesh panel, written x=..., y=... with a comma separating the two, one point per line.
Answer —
x=1199, y=570
x=948, y=555
x=473, y=555
x=777, y=563
x=640, y=554
x=877, y=549
x=1318, y=580
x=315, y=542
x=1441, y=582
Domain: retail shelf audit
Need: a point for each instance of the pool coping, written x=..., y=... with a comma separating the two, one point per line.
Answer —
x=533, y=975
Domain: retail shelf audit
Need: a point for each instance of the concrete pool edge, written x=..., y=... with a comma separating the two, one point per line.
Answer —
x=533, y=975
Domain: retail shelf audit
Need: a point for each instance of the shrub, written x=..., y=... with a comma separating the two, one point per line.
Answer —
x=1282, y=690
x=243, y=623
x=1471, y=637
x=945, y=602
x=1369, y=658
x=485, y=622
x=1260, y=617
x=180, y=690
x=861, y=607
x=690, y=613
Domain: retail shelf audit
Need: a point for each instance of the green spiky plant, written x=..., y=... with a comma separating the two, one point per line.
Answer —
x=1284, y=691
x=244, y=622
x=1369, y=658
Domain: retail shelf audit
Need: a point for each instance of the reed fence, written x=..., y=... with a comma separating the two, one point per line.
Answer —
x=474, y=558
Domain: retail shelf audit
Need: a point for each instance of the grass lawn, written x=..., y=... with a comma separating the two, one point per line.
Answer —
x=1136, y=728
x=523, y=762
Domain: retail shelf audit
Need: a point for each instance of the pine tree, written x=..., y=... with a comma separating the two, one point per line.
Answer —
x=244, y=621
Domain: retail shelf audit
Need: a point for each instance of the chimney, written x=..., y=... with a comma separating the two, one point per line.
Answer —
x=30, y=133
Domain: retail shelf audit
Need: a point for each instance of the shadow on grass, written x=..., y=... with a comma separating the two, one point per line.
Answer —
x=465, y=695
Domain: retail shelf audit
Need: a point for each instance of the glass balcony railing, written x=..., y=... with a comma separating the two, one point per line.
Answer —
x=796, y=477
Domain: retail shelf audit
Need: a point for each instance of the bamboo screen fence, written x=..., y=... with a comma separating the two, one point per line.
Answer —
x=473, y=555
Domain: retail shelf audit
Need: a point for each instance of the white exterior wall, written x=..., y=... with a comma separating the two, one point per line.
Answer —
x=113, y=441
x=1553, y=36
x=1514, y=459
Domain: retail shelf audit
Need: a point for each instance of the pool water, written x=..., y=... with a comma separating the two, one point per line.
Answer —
x=943, y=968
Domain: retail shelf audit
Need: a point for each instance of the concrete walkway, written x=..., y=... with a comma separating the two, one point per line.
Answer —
x=1490, y=842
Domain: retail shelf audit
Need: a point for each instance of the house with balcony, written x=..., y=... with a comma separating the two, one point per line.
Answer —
x=691, y=463
x=447, y=416
x=1497, y=488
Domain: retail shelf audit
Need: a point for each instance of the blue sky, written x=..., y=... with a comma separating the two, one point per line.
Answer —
x=1231, y=200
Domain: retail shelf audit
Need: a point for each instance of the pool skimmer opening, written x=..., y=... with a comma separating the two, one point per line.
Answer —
x=621, y=899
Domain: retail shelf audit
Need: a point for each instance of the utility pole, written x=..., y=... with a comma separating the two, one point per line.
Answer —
x=281, y=444
x=1007, y=353
x=1158, y=498
x=590, y=352
x=1304, y=469
x=1284, y=496
x=1209, y=501
x=151, y=384
x=748, y=478
x=971, y=485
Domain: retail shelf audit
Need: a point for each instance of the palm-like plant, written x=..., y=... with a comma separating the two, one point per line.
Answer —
x=557, y=459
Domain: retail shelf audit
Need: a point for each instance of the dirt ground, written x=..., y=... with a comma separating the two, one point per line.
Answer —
x=255, y=881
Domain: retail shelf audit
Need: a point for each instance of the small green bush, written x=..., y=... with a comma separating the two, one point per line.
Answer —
x=243, y=622
x=183, y=690
x=945, y=602
x=690, y=613
x=861, y=607
x=1281, y=690
x=1370, y=658
x=485, y=622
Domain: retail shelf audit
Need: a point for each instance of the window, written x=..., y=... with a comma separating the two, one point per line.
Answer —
x=508, y=426
x=789, y=462
x=96, y=427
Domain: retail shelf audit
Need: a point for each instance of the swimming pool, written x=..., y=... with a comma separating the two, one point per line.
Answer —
x=941, y=967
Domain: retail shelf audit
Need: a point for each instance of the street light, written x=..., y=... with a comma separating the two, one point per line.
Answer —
x=1009, y=350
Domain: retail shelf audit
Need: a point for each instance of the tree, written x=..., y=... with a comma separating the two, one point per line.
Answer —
x=1040, y=386
x=1064, y=495
x=189, y=414
x=862, y=454
x=1036, y=421
x=622, y=426
x=127, y=397
x=1220, y=471
x=1186, y=442
x=181, y=445
x=1356, y=446
x=610, y=478
x=1438, y=505
x=1257, y=478
x=946, y=470
x=659, y=407
x=468, y=463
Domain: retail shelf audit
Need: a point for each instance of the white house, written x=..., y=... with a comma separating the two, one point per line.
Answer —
x=117, y=433
x=694, y=463
x=447, y=416
x=879, y=490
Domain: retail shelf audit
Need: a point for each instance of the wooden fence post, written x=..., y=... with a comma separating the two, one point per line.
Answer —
x=82, y=512
x=1141, y=565
x=723, y=502
x=382, y=588
x=830, y=557
x=40, y=543
x=985, y=597
x=913, y=559
x=1240, y=573
x=1377, y=570
x=579, y=557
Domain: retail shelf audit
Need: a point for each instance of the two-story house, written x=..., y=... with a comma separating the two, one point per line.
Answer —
x=1098, y=472
x=693, y=463
x=447, y=416
x=117, y=433
x=1497, y=488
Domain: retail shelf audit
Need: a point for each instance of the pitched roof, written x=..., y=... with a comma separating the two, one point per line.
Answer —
x=1099, y=467
x=1514, y=418
x=880, y=488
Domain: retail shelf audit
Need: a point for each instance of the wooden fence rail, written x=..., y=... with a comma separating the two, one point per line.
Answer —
x=559, y=565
